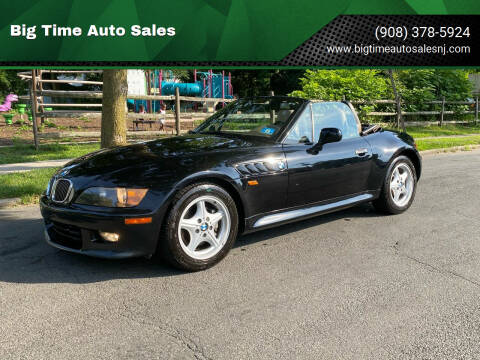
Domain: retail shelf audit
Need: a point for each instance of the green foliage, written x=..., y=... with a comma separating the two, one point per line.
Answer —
x=283, y=82
x=445, y=143
x=446, y=130
x=262, y=82
x=22, y=152
x=351, y=84
x=420, y=86
x=416, y=87
x=183, y=74
x=24, y=127
x=11, y=83
x=26, y=185
x=251, y=82
x=50, y=124
x=348, y=84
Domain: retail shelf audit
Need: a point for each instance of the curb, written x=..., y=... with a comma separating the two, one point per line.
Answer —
x=27, y=166
x=450, y=149
x=9, y=202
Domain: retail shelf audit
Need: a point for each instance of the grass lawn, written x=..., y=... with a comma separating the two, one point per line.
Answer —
x=446, y=130
x=445, y=143
x=27, y=153
x=27, y=185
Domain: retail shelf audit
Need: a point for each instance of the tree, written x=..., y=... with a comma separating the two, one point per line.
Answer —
x=262, y=82
x=283, y=82
x=348, y=84
x=251, y=82
x=419, y=86
x=11, y=83
x=114, y=127
x=183, y=74
x=397, y=100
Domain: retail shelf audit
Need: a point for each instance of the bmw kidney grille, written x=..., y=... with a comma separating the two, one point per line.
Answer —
x=62, y=188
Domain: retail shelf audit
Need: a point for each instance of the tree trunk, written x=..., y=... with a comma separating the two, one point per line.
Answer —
x=398, y=101
x=114, y=124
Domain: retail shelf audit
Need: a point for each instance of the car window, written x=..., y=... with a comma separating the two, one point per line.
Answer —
x=252, y=116
x=334, y=115
x=302, y=131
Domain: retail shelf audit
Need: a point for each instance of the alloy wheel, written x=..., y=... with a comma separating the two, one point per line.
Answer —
x=204, y=227
x=401, y=184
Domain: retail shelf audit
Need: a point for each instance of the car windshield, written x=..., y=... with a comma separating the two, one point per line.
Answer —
x=252, y=116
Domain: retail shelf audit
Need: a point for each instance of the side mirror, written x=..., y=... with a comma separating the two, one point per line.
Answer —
x=329, y=135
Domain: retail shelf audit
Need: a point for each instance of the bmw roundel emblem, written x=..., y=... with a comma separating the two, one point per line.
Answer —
x=281, y=165
x=204, y=227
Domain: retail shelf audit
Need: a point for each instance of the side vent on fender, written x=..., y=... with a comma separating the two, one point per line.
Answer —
x=261, y=167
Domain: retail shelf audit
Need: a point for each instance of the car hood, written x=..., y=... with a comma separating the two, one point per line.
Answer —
x=134, y=164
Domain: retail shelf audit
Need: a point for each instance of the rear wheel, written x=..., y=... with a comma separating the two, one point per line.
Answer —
x=201, y=227
x=399, y=187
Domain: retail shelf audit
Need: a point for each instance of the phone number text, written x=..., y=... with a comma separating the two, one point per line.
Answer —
x=402, y=32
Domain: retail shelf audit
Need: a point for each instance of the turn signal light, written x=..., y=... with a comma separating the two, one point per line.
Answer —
x=252, y=182
x=130, y=197
x=134, y=221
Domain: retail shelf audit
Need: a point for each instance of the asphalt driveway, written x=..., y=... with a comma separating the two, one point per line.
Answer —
x=350, y=285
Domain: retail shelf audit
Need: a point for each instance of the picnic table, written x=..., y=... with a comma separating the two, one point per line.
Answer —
x=136, y=122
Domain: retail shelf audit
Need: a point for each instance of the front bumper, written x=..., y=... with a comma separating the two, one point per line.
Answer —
x=77, y=231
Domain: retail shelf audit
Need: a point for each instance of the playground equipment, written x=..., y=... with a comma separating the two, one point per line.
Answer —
x=7, y=106
x=205, y=85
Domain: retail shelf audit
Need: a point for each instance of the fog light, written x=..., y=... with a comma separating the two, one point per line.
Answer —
x=108, y=236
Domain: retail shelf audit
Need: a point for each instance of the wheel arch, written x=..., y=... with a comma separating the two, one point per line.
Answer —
x=414, y=158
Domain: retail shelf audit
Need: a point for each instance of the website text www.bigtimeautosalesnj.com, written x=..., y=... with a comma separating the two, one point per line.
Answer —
x=398, y=49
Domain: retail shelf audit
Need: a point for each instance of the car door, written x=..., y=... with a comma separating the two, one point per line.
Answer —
x=337, y=170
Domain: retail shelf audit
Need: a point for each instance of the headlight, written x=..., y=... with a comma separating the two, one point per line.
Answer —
x=49, y=187
x=111, y=197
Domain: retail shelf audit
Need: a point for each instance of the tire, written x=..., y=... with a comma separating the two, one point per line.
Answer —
x=200, y=228
x=398, y=190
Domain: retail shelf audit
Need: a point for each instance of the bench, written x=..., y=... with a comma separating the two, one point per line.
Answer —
x=136, y=122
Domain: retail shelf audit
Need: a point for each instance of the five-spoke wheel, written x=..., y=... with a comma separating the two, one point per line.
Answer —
x=401, y=184
x=200, y=228
x=398, y=188
x=204, y=227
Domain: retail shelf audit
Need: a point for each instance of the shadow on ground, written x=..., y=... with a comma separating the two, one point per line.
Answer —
x=26, y=258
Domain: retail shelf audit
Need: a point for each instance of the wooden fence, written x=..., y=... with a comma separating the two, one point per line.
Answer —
x=442, y=112
x=39, y=106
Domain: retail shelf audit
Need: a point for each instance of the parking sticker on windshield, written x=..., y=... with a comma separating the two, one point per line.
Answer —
x=268, y=131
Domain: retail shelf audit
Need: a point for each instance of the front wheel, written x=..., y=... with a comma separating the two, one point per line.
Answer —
x=201, y=227
x=399, y=187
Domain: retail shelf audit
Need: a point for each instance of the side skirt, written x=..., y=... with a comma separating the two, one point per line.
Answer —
x=276, y=218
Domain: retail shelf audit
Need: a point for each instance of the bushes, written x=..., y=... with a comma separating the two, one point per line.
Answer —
x=416, y=87
x=335, y=84
x=348, y=84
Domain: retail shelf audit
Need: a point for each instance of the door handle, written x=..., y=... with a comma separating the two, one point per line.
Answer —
x=361, y=152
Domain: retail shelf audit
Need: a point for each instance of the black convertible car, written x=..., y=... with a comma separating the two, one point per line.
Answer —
x=257, y=163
